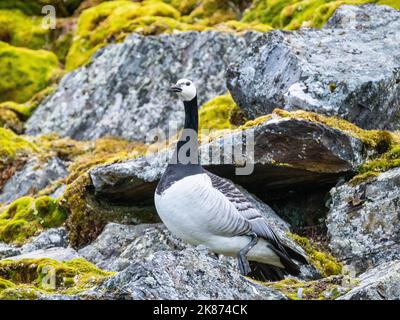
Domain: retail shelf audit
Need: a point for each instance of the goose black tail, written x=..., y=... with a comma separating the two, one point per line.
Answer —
x=266, y=272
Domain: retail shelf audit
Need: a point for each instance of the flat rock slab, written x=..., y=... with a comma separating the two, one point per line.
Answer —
x=364, y=223
x=59, y=254
x=124, y=91
x=288, y=153
x=350, y=68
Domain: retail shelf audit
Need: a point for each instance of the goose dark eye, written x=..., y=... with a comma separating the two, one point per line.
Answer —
x=188, y=83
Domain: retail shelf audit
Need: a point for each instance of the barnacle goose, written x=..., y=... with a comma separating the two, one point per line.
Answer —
x=202, y=208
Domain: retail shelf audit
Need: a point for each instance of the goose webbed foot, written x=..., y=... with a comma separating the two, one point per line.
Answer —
x=243, y=263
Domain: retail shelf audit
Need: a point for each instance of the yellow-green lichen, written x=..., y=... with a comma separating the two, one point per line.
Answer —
x=28, y=279
x=24, y=72
x=323, y=261
x=27, y=216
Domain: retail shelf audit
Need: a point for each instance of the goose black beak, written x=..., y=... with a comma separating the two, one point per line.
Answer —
x=176, y=89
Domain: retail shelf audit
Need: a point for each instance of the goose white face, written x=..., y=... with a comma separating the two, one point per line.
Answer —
x=185, y=89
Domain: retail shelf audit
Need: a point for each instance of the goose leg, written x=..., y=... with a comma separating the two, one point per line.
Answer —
x=243, y=263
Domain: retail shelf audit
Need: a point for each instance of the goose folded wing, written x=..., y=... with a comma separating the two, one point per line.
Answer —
x=246, y=209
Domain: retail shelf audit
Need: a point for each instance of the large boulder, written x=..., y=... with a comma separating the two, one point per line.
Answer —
x=288, y=153
x=350, y=68
x=192, y=273
x=364, y=223
x=380, y=283
x=124, y=91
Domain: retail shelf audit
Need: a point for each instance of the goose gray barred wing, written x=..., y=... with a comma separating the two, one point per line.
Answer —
x=246, y=209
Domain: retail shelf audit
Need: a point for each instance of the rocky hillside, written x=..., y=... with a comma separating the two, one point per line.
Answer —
x=85, y=130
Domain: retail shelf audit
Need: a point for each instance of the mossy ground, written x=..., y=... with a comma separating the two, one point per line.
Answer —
x=328, y=288
x=27, y=216
x=29, y=279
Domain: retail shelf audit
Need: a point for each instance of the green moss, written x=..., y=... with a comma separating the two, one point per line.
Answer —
x=34, y=7
x=13, y=115
x=293, y=14
x=323, y=261
x=324, y=289
x=26, y=216
x=371, y=168
x=112, y=21
x=10, y=120
x=31, y=278
x=20, y=30
x=24, y=72
x=220, y=113
x=13, y=146
x=379, y=140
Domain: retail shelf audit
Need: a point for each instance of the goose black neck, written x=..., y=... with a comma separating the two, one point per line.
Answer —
x=191, y=115
x=188, y=143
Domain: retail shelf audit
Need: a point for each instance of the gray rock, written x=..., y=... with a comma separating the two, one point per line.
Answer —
x=33, y=177
x=59, y=254
x=47, y=239
x=188, y=274
x=313, y=154
x=124, y=91
x=380, y=283
x=119, y=245
x=350, y=68
x=364, y=223
x=7, y=250
x=50, y=238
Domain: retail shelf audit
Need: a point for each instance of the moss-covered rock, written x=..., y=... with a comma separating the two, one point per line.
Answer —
x=13, y=115
x=293, y=14
x=24, y=72
x=379, y=140
x=20, y=30
x=112, y=21
x=371, y=168
x=220, y=113
x=323, y=261
x=28, y=279
x=27, y=216
x=211, y=12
